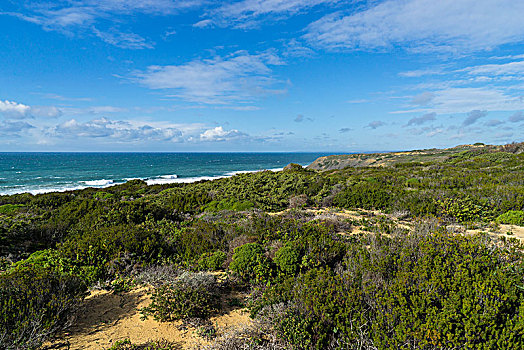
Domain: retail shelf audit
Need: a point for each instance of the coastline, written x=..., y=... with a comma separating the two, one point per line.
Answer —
x=157, y=180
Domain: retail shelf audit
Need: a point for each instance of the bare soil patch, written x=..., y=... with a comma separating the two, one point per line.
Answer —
x=106, y=317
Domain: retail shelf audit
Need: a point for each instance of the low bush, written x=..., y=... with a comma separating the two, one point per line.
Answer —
x=250, y=263
x=465, y=209
x=192, y=295
x=158, y=275
x=288, y=259
x=432, y=291
x=512, y=217
x=9, y=208
x=228, y=204
x=212, y=261
x=34, y=304
x=365, y=194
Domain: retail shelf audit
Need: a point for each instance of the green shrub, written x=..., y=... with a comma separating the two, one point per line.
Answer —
x=95, y=251
x=512, y=217
x=34, y=304
x=212, y=261
x=250, y=263
x=288, y=259
x=192, y=295
x=465, y=209
x=122, y=284
x=103, y=195
x=9, y=208
x=50, y=259
x=365, y=195
x=228, y=204
x=295, y=329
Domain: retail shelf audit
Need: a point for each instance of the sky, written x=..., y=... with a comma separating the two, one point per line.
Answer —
x=259, y=75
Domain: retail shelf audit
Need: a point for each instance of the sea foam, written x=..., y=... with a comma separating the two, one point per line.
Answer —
x=102, y=182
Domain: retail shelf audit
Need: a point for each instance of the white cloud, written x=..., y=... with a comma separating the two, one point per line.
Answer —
x=505, y=71
x=435, y=132
x=219, y=134
x=239, y=77
x=13, y=127
x=203, y=23
x=249, y=13
x=517, y=117
x=375, y=124
x=13, y=109
x=473, y=117
x=493, y=122
x=300, y=118
x=157, y=7
x=428, y=131
x=63, y=98
x=420, y=73
x=513, y=57
x=46, y=111
x=422, y=99
x=83, y=15
x=119, y=130
x=422, y=119
x=103, y=109
x=423, y=25
x=463, y=100
x=294, y=48
x=124, y=40
x=362, y=100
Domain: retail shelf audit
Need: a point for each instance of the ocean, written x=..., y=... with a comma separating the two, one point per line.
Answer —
x=51, y=172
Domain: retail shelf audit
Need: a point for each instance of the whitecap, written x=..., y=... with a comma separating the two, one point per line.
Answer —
x=233, y=173
x=159, y=181
x=102, y=182
x=40, y=190
x=133, y=178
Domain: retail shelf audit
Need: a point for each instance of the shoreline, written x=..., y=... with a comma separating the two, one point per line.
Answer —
x=157, y=180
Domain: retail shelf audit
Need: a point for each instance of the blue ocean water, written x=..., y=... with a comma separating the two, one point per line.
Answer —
x=49, y=172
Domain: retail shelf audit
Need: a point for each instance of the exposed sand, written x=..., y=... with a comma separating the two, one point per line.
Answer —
x=106, y=317
x=509, y=231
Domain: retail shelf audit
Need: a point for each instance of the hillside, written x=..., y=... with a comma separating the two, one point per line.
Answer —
x=417, y=156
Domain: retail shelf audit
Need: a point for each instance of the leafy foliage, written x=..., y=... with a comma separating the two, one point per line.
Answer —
x=35, y=303
x=212, y=261
x=513, y=217
x=192, y=295
x=250, y=263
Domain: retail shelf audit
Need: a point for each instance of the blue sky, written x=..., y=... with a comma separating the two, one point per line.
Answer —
x=254, y=75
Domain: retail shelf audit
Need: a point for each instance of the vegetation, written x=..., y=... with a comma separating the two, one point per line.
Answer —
x=513, y=217
x=190, y=296
x=310, y=287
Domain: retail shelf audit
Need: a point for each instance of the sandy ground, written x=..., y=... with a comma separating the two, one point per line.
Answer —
x=106, y=317
x=509, y=231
